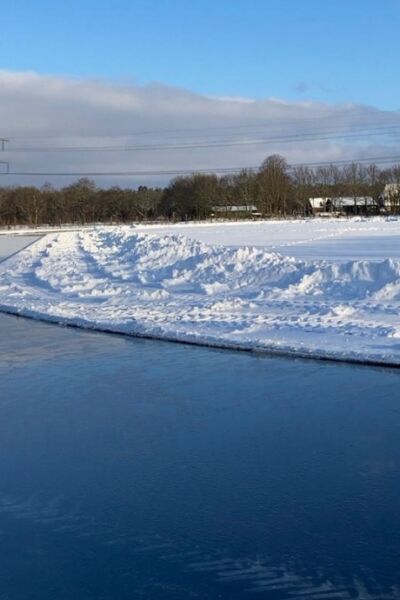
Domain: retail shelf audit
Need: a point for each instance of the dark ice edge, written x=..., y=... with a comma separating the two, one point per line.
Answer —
x=268, y=351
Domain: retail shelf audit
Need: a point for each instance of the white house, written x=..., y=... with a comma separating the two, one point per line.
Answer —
x=319, y=204
x=391, y=197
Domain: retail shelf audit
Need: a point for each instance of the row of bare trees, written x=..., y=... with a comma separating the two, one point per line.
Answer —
x=81, y=202
x=275, y=190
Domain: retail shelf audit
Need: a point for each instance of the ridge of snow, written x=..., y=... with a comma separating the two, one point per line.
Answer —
x=169, y=286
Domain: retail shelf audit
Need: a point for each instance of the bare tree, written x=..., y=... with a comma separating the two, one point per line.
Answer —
x=274, y=184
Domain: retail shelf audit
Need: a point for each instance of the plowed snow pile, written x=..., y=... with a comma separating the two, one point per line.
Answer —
x=173, y=287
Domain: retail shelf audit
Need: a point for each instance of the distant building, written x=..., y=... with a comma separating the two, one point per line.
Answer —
x=355, y=206
x=344, y=205
x=319, y=204
x=235, y=210
x=390, y=199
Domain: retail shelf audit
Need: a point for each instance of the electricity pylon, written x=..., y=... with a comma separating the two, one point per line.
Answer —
x=3, y=142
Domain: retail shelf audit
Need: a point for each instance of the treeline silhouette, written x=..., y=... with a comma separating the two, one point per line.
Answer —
x=275, y=190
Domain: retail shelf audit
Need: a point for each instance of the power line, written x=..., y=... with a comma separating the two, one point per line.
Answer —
x=383, y=119
x=126, y=173
x=363, y=160
x=300, y=137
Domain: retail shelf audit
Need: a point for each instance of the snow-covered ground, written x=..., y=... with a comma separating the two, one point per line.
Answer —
x=331, y=239
x=326, y=288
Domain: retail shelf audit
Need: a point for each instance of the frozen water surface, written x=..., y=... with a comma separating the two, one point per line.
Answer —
x=141, y=469
x=12, y=243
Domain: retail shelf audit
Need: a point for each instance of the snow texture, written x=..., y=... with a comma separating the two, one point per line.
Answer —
x=160, y=283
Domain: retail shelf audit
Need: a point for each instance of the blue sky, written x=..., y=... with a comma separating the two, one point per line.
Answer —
x=339, y=51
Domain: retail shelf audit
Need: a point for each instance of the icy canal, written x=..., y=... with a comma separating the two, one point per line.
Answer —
x=139, y=469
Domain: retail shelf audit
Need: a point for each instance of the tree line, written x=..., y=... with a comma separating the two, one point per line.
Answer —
x=276, y=190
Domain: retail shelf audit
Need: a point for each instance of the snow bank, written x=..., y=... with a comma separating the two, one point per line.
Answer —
x=172, y=287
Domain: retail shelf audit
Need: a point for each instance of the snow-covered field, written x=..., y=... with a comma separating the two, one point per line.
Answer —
x=324, y=288
x=331, y=239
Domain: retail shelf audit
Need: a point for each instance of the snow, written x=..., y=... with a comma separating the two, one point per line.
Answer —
x=322, y=288
x=338, y=239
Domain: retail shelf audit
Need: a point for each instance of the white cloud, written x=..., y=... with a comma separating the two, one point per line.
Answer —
x=46, y=111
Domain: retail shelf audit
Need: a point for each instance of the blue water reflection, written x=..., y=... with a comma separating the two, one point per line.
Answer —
x=140, y=469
